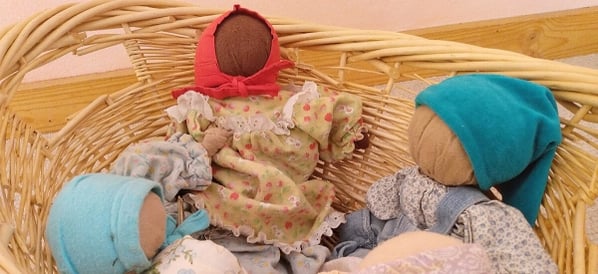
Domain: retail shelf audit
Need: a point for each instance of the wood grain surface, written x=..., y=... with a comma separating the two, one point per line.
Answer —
x=47, y=105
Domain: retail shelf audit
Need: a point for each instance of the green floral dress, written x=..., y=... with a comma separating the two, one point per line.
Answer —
x=264, y=190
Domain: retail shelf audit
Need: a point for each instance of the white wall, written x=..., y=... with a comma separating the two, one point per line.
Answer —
x=394, y=15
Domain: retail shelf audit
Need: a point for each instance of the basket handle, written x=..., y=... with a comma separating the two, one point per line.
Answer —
x=7, y=263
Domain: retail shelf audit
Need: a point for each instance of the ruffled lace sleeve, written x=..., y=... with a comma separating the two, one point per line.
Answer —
x=333, y=119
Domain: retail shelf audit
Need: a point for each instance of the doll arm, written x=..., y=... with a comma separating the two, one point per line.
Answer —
x=332, y=118
x=215, y=139
x=383, y=199
x=191, y=115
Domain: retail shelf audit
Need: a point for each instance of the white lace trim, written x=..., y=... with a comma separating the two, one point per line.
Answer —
x=332, y=221
x=258, y=122
x=308, y=93
x=190, y=100
x=198, y=102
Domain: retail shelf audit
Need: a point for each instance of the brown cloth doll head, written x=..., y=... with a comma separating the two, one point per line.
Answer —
x=237, y=55
x=243, y=44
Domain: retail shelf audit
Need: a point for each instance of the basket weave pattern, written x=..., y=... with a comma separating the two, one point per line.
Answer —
x=160, y=38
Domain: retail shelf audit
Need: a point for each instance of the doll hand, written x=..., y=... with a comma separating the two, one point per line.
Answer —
x=214, y=140
x=364, y=142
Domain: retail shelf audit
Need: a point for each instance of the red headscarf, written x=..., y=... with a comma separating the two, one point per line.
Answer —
x=210, y=81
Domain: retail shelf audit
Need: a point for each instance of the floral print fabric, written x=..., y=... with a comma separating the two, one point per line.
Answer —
x=190, y=256
x=268, y=259
x=264, y=191
x=177, y=163
x=467, y=258
x=501, y=229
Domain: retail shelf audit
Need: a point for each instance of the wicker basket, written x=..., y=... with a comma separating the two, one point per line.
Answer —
x=160, y=38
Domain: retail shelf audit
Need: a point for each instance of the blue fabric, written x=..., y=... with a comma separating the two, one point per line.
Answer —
x=195, y=222
x=93, y=225
x=509, y=128
x=362, y=231
x=457, y=200
x=358, y=235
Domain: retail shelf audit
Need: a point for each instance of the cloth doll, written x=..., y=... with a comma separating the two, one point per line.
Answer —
x=469, y=133
x=106, y=223
x=416, y=252
x=263, y=190
x=265, y=258
x=189, y=255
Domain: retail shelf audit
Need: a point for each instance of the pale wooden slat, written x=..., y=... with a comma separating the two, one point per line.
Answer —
x=572, y=33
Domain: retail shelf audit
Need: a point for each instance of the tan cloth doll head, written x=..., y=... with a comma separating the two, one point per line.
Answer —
x=422, y=251
x=437, y=150
x=407, y=244
x=106, y=223
x=508, y=128
x=152, y=225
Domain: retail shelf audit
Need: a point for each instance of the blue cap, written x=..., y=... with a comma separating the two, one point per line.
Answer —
x=508, y=127
x=93, y=224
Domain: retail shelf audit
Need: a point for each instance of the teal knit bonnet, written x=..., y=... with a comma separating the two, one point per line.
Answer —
x=93, y=226
x=508, y=127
